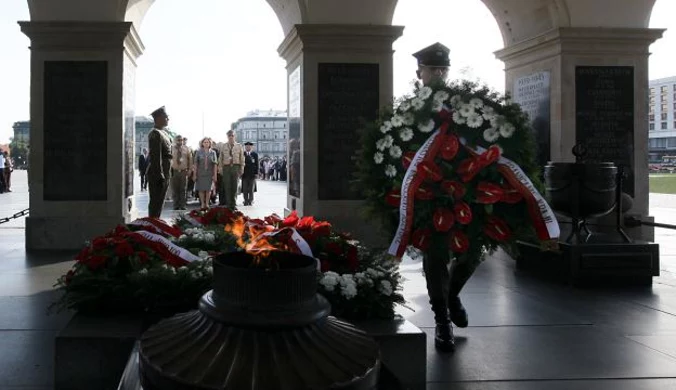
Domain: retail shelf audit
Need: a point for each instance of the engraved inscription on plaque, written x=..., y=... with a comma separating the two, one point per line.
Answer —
x=348, y=94
x=532, y=93
x=604, y=116
x=75, y=130
x=294, y=160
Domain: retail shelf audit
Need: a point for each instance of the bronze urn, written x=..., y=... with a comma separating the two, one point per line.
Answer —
x=259, y=329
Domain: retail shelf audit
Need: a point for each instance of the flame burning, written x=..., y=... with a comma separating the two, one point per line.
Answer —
x=253, y=238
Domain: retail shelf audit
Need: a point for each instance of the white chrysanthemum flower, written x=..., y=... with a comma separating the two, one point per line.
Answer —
x=424, y=92
x=385, y=287
x=397, y=121
x=441, y=96
x=388, y=141
x=210, y=237
x=406, y=134
x=380, y=144
x=497, y=121
x=385, y=127
x=476, y=103
x=371, y=272
x=329, y=280
x=507, y=130
x=466, y=110
x=456, y=100
x=409, y=119
x=488, y=112
x=378, y=158
x=203, y=254
x=437, y=106
x=390, y=170
x=209, y=270
x=395, y=151
x=346, y=279
x=426, y=127
x=143, y=272
x=182, y=237
x=349, y=291
x=182, y=269
x=458, y=118
x=491, y=135
x=404, y=106
x=475, y=121
x=417, y=103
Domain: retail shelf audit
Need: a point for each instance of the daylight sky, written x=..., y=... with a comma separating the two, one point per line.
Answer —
x=219, y=60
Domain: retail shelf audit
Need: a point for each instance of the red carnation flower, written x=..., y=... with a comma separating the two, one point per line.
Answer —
x=468, y=168
x=142, y=257
x=291, y=220
x=463, y=214
x=352, y=257
x=273, y=219
x=96, y=262
x=454, y=188
x=488, y=193
x=393, y=198
x=430, y=170
x=443, y=219
x=305, y=223
x=424, y=193
x=321, y=229
x=458, y=241
x=450, y=147
x=421, y=239
x=124, y=249
x=491, y=155
x=333, y=248
x=497, y=229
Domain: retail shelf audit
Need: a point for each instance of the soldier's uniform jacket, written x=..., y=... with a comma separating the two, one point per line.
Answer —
x=236, y=151
x=159, y=146
x=182, y=158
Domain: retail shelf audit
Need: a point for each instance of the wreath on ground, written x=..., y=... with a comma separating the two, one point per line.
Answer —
x=474, y=184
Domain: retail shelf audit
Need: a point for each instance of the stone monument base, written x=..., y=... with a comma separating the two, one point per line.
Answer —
x=66, y=233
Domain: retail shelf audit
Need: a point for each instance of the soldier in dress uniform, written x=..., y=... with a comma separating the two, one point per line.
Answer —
x=250, y=173
x=231, y=166
x=444, y=277
x=181, y=166
x=159, y=168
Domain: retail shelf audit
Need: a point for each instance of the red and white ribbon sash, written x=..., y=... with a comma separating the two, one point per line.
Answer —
x=157, y=225
x=177, y=251
x=408, y=188
x=542, y=216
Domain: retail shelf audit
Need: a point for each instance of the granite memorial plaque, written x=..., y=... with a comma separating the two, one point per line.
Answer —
x=532, y=93
x=294, y=160
x=604, y=116
x=129, y=145
x=347, y=94
x=75, y=129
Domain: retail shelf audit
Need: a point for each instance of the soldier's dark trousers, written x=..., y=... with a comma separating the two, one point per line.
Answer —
x=248, y=189
x=443, y=280
x=179, y=181
x=157, y=192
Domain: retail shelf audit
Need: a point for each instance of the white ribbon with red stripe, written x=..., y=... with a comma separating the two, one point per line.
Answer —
x=176, y=250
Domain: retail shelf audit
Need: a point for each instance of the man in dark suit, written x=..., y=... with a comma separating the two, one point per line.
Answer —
x=159, y=170
x=143, y=161
x=250, y=173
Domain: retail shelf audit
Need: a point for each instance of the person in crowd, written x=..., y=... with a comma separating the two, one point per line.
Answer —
x=231, y=163
x=250, y=173
x=181, y=165
x=205, y=172
x=9, y=168
x=159, y=168
x=143, y=161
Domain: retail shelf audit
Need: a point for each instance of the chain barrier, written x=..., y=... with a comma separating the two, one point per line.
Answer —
x=15, y=216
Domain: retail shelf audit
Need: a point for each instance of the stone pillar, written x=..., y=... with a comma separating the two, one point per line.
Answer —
x=81, y=130
x=566, y=71
x=338, y=76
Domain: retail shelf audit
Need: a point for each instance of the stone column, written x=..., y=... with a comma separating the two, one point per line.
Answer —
x=338, y=76
x=81, y=132
x=565, y=72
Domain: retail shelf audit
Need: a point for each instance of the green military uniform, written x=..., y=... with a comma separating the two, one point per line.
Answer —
x=231, y=164
x=159, y=169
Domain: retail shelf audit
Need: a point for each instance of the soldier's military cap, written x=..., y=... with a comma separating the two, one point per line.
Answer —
x=159, y=112
x=248, y=143
x=434, y=55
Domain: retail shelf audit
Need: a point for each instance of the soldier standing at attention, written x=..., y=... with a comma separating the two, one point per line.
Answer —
x=159, y=169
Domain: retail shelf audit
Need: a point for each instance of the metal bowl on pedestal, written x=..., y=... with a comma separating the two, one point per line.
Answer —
x=259, y=329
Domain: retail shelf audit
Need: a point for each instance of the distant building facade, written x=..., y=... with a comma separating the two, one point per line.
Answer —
x=143, y=127
x=268, y=130
x=22, y=132
x=662, y=119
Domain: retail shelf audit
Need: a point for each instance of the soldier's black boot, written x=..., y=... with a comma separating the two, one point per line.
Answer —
x=443, y=335
x=458, y=312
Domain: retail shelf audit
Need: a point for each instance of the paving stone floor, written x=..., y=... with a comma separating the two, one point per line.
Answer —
x=524, y=333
